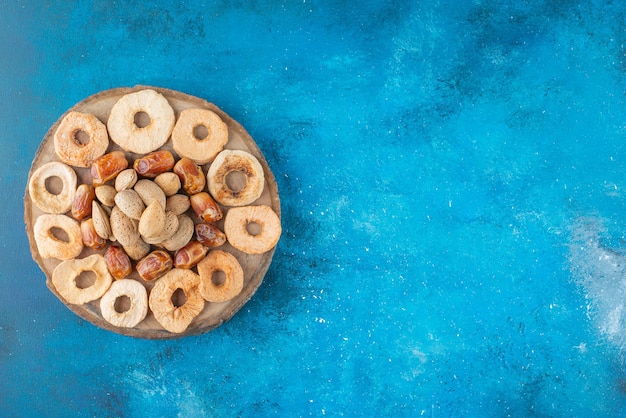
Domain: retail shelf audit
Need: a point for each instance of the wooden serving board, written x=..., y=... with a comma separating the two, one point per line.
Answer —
x=254, y=266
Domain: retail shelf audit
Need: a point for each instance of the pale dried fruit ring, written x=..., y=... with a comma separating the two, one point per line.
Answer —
x=75, y=151
x=125, y=132
x=49, y=201
x=240, y=224
x=49, y=245
x=251, y=171
x=173, y=317
x=231, y=286
x=131, y=315
x=65, y=275
x=199, y=148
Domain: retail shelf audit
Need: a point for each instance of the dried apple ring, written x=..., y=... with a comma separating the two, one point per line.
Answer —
x=252, y=229
x=74, y=151
x=65, y=275
x=46, y=200
x=131, y=315
x=126, y=129
x=172, y=316
x=251, y=171
x=51, y=246
x=231, y=286
x=202, y=147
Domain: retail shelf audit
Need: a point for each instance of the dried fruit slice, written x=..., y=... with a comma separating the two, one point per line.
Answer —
x=173, y=315
x=112, y=303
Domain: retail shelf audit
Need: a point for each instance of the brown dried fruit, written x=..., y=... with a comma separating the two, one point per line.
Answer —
x=90, y=237
x=81, y=207
x=190, y=255
x=205, y=207
x=210, y=235
x=107, y=167
x=191, y=176
x=117, y=261
x=154, y=265
x=154, y=163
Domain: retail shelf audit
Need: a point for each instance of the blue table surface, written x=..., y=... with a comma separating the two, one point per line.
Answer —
x=453, y=186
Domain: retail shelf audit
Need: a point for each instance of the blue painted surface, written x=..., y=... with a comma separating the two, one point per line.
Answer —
x=434, y=160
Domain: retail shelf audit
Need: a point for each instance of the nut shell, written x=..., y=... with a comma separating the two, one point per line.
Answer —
x=152, y=220
x=130, y=203
x=149, y=191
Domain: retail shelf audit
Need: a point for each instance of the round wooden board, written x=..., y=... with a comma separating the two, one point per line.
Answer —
x=254, y=266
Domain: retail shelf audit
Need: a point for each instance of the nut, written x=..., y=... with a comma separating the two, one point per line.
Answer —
x=182, y=236
x=137, y=250
x=178, y=203
x=123, y=227
x=101, y=221
x=149, y=191
x=170, y=228
x=168, y=182
x=125, y=180
x=152, y=220
x=106, y=194
x=130, y=203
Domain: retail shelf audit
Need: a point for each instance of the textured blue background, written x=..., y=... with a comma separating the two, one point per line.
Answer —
x=433, y=159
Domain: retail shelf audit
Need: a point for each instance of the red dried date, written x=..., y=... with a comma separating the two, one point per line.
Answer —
x=117, y=261
x=108, y=167
x=154, y=163
x=205, y=207
x=154, y=265
x=190, y=255
x=210, y=235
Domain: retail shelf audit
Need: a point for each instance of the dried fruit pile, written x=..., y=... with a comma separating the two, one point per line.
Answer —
x=148, y=218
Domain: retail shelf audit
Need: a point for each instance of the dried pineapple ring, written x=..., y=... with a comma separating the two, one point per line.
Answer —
x=125, y=132
x=68, y=147
x=65, y=274
x=236, y=226
x=185, y=141
x=138, y=309
x=171, y=317
x=227, y=162
x=44, y=199
x=50, y=246
x=216, y=261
